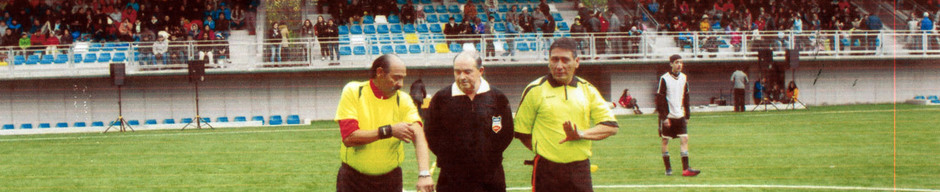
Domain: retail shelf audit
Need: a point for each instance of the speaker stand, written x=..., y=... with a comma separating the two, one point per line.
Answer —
x=765, y=102
x=198, y=120
x=792, y=104
x=122, y=124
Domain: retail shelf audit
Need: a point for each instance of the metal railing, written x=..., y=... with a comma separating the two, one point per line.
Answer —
x=357, y=51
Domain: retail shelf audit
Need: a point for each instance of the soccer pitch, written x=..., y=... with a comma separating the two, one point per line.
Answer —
x=852, y=148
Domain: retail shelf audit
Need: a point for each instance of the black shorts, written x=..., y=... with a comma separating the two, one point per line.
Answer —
x=350, y=180
x=490, y=179
x=676, y=129
x=561, y=177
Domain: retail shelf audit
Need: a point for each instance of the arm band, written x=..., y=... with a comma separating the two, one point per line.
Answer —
x=385, y=132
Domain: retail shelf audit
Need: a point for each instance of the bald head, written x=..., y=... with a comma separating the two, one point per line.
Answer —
x=388, y=73
x=468, y=72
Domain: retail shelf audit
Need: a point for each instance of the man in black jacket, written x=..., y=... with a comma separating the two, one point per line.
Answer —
x=469, y=125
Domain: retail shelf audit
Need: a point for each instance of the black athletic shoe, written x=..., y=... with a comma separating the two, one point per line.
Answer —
x=668, y=172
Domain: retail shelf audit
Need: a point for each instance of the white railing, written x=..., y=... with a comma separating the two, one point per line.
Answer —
x=357, y=51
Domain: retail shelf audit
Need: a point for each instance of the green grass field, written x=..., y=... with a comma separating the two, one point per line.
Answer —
x=863, y=146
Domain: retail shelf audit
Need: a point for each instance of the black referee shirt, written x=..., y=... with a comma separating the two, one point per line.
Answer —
x=469, y=135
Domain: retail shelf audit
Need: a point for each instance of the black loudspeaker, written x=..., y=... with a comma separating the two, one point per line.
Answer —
x=765, y=56
x=793, y=58
x=117, y=74
x=197, y=70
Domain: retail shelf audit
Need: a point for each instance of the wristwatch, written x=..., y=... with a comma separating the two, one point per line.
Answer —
x=424, y=174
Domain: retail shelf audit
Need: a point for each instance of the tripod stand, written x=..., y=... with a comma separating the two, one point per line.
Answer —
x=792, y=104
x=765, y=102
x=123, y=126
x=198, y=120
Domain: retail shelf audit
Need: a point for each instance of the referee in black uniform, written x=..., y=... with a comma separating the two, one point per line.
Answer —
x=469, y=125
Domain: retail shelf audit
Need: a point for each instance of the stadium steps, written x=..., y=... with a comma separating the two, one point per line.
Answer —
x=251, y=54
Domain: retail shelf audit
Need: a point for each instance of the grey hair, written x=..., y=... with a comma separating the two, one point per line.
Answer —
x=471, y=54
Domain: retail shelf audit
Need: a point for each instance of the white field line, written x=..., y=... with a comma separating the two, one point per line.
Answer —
x=162, y=134
x=690, y=186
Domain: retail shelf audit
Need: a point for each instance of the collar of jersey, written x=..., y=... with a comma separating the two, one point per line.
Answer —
x=573, y=83
x=484, y=87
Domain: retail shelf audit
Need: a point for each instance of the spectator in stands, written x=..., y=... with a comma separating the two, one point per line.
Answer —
x=285, y=42
x=615, y=28
x=489, y=33
x=526, y=20
x=577, y=31
x=469, y=11
x=491, y=6
x=333, y=34
x=308, y=33
x=51, y=42
x=9, y=38
x=512, y=31
x=451, y=29
x=238, y=17
x=759, y=91
x=205, y=46
x=321, y=30
x=274, y=39
x=408, y=13
x=653, y=7
x=705, y=25
x=160, y=47
x=25, y=43
x=793, y=93
x=3, y=27
x=145, y=48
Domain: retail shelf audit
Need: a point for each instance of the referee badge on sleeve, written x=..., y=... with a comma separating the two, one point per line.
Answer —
x=497, y=123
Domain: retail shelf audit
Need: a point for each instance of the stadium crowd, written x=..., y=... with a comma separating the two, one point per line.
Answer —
x=30, y=25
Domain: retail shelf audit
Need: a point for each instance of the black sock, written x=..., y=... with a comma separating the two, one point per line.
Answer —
x=685, y=162
x=666, y=161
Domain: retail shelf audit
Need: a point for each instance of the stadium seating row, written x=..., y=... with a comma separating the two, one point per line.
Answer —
x=273, y=120
x=63, y=59
x=932, y=99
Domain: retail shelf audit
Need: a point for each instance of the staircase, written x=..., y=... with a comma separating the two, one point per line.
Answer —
x=244, y=54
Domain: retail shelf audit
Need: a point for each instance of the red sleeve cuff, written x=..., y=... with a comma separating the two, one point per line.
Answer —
x=347, y=127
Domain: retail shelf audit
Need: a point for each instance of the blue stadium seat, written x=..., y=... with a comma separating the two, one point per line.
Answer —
x=62, y=125
x=408, y=28
x=458, y=18
x=530, y=36
x=206, y=120
x=508, y=1
x=8, y=126
x=395, y=28
x=401, y=49
x=453, y=9
x=435, y=28
x=522, y=46
x=61, y=59
x=119, y=57
x=431, y=18
x=169, y=121
x=19, y=60
x=355, y=30
x=115, y=123
x=133, y=122
x=47, y=59
x=104, y=58
x=422, y=28
x=428, y=9
x=26, y=126
x=368, y=29
x=258, y=118
x=563, y=26
x=483, y=17
x=375, y=50
x=401, y=2
x=381, y=29
x=502, y=8
x=455, y=48
x=344, y=39
x=97, y=124
x=385, y=39
x=293, y=120
x=122, y=46
x=414, y=49
x=45, y=125
x=240, y=119
x=935, y=101
x=559, y=1
x=394, y=19
x=359, y=50
x=440, y=9
x=557, y=17
x=107, y=47
x=186, y=120
x=94, y=47
x=425, y=1
x=920, y=97
x=32, y=59
x=499, y=17
x=275, y=120
x=221, y=119
x=76, y=58
x=430, y=49
x=480, y=9
x=150, y=122
x=398, y=38
x=932, y=97
x=368, y=19
x=344, y=50
x=343, y=30
x=79, y=124
x=462, y=1
x=499, y=27
x=387, y=49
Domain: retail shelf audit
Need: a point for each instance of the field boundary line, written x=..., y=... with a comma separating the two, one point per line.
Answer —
x=843, y=188
x=165, y=134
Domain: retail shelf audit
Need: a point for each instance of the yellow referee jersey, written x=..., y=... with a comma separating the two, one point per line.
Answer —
x=359, y=102
x=547, y=104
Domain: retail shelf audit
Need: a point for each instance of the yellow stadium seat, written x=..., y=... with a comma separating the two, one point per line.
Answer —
x=441, y=48
x=411, y=38
x=3, y=63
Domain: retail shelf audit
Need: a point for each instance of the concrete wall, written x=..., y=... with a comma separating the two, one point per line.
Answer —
x=314, y=95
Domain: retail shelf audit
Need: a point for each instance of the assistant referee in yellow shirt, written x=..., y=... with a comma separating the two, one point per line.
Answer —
x=558, y=118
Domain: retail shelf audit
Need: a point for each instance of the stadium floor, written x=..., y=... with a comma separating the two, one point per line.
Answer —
x=848, y=148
